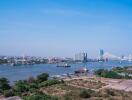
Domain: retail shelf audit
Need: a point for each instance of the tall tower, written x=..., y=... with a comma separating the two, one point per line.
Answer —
x=101, y=54
x=85, y=57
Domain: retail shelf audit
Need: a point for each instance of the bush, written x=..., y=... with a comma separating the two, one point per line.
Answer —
x=99, y=72
x=107, y=74
x=49, y=83
x=33, y=90
x=31, y=80
x=101, y=93
x=111, y=74
x=42, y=77
x=85, y=94
x=4, y=84
x=21, y=86
x=110, y=92
x=8, y=93
x=33, y=86
x=39, y=96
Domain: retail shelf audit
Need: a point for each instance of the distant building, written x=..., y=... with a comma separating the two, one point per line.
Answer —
x=130, y=58
x=81, y=57
x=101, y=54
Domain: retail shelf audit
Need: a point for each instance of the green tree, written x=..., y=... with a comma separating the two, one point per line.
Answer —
x=111, y=74
x=107, y=74
x=42, y=77
x=99, y=72
x=4, y=84
x=21, y=86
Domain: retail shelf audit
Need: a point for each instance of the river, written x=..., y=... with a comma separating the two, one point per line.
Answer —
x=14, y=73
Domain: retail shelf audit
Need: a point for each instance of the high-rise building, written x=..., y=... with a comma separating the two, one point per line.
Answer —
x=130, y=58
x=101, y=54
x=82, y=57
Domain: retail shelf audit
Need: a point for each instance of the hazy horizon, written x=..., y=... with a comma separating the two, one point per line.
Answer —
x=65, y=27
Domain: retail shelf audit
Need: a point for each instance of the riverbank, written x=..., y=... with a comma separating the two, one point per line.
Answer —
x=14, y=73
x=75, y=87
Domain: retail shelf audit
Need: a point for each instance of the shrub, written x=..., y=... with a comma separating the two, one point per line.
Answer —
x=101, y=93
x=33, y=85
x=111, y=74
x=42, y=77
x=110, y=92
x=33, y=90
x=31, y=80
x=21, y=86
x=49, y=83
x=107, y=74
x=8, y=93
x=67, y=98
x=99, y=72
x=4, y=84
x=39, y=96
x=85, y=94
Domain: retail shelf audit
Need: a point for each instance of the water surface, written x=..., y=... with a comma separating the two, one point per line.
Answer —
x=14, y=73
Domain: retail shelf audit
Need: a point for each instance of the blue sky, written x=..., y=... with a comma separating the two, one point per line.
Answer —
x=65, y=27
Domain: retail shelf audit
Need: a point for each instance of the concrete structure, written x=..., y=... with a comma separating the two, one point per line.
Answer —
x=101, y=54
x=82, y=57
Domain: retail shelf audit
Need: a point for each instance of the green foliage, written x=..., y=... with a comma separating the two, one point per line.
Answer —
x=4, y=84
x=85, y=93
x=31, y=80
x=127, y=76
x=49, y=83
x=33, y=85
x=126, y=70
x=33, y=90
x=39, y=96
x=107, y=74
x=21, y=86
x=42, y=77
x=3, y=61
x=8, y=93
x=119, y=69
x=111, y=74
x=99, y=72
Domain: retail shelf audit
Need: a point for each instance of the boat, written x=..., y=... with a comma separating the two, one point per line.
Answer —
x=20, y=64
x=15, y=64
x=63, y=65
x=81, y=70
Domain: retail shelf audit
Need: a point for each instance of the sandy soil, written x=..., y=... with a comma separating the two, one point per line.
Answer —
x=118, y=84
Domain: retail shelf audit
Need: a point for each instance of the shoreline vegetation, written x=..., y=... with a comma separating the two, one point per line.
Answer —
x=116, y=73
x=97, y=87
x=3, y=61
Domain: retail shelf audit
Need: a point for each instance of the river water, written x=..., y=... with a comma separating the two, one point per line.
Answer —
x=14, y=73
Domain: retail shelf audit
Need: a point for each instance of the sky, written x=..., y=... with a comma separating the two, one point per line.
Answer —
x=65, y=27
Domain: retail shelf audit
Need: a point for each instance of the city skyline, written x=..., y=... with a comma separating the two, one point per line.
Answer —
x=63, y=28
